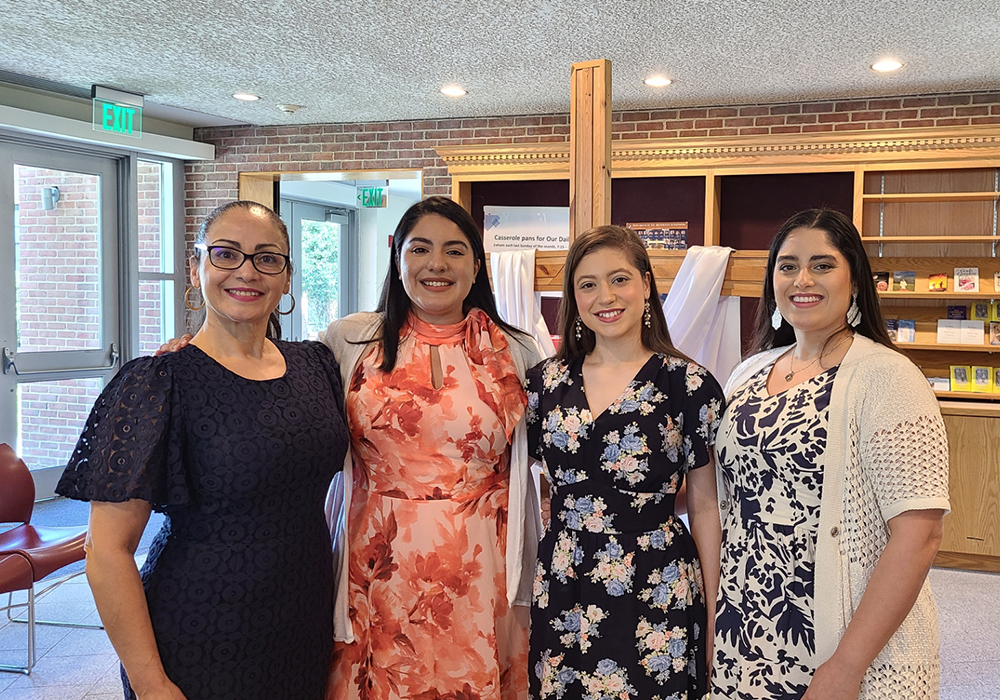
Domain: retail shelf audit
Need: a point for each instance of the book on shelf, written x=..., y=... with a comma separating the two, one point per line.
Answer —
x=940, y=383
x=980, y=311
x=949, y=331
x=892, y=328
x=881, y=281
x=994, y=311
x=966, y=279
x=996, y=281
x=937, y=282
x=904, y=280
x=996, y=380
x=971, y=333
x=994, y=333
x=906, y=331
x=958, y=312
x=961, y=379
x=982, y=379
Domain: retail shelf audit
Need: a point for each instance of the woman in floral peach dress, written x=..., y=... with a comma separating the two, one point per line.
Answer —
x=436, y=512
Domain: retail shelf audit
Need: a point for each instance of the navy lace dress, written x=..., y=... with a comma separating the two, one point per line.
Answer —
x=239, y=581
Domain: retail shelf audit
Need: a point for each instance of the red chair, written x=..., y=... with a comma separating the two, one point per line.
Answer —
x=47, y=549
x=15, y=575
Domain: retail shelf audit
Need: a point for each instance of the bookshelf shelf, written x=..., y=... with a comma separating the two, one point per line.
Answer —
x=986, y=396
x=940, y=347
x=932, y=197
x=930, y=239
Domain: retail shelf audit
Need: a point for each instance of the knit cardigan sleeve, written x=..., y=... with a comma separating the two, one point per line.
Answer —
x=902, y=442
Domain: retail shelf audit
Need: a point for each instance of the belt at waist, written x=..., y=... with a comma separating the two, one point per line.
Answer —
x=462, y=493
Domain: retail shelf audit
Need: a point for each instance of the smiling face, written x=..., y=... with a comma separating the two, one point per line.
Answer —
x=437, y=268
x=610, y=294
x=812, y=283
x=243, y=295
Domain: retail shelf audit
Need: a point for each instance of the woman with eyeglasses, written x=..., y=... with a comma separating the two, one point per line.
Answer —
x=236, y=439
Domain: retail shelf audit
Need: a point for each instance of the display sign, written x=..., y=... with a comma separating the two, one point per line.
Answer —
x=373, y=197
x=117, y=118
x=524, y=228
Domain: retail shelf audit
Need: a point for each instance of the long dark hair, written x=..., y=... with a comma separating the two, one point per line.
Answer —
x=274, y=321
x=394, y=304
x=655, y=337
x=843, y=236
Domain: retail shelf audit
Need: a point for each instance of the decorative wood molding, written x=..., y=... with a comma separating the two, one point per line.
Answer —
x=763, y=152
x=490, y=161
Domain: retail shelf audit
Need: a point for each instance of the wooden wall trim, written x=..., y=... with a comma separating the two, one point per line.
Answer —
x=931, y=145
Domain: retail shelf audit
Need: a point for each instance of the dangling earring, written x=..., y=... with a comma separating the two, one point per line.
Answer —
x=776, y=318
x=285, y=313
x=854, y=313
x=647, y=318
x=187, y=300
x=579, y=328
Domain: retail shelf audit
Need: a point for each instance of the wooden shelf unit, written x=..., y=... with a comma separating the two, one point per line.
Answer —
x=924, y=200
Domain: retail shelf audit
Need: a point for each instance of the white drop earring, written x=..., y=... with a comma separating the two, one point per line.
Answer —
x=776, y=318
x=854, y=313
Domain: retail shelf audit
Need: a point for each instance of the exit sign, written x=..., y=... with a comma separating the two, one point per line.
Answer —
x=373, y=197
x=116, y=118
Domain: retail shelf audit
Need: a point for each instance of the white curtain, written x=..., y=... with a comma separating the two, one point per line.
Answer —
x=703, y=324
x=517, y=301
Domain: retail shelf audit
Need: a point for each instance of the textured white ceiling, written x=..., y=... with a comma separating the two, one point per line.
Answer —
x=352, y=61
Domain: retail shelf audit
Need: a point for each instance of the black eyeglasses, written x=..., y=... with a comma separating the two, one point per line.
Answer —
x=224, y=258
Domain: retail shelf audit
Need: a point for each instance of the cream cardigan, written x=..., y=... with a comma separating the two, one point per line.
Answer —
x=524, y=525
x=886, y=453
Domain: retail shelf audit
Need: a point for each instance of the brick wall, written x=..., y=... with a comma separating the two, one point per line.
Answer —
x=150, y=258
x=411, y=144
x=59, y=298
x=58, y=304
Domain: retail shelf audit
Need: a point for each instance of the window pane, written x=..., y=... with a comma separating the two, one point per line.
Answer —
x=320, y=267
x=51, y=416
x=156, y=314
x=156, y=251
x=57, y=236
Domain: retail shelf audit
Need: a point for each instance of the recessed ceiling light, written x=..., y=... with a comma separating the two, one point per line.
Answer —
x=658, y=81
x=246, y=97
x=887, y=65
x=453, y=91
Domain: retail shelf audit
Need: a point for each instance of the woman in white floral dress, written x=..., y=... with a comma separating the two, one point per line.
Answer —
x=622, y=600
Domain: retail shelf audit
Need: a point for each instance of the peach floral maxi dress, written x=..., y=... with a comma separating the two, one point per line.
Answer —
x=428, y=520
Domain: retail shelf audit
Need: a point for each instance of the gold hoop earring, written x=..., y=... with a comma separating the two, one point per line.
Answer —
x=285, y=313
x=187, y=300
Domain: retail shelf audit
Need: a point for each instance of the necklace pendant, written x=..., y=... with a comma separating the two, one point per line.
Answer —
x=788, y=377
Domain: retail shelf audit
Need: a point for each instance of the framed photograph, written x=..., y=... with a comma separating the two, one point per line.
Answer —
x=662, y=235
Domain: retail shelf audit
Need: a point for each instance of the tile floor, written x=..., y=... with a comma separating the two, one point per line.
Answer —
x=77, y=664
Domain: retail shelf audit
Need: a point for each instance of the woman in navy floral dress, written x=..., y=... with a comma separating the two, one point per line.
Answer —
x=622, y=601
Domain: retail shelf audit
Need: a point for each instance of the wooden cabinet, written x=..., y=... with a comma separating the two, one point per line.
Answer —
x=924, y=200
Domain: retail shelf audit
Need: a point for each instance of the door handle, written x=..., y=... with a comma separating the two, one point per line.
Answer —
x=8, y=364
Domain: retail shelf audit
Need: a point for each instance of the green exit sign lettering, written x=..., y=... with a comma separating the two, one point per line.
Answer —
x=373, y=197
x=117, y=118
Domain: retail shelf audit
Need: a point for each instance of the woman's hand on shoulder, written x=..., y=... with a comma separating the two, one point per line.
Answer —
x=174, y=344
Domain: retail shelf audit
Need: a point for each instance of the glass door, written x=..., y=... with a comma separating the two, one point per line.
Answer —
x=322, y=283
x=59, y=299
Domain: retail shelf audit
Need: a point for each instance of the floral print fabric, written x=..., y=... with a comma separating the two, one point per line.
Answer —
x=618, y=606
x=427, y=529
x=770, y=451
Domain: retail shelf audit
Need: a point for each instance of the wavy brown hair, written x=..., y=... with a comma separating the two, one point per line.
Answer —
x=655, y=338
